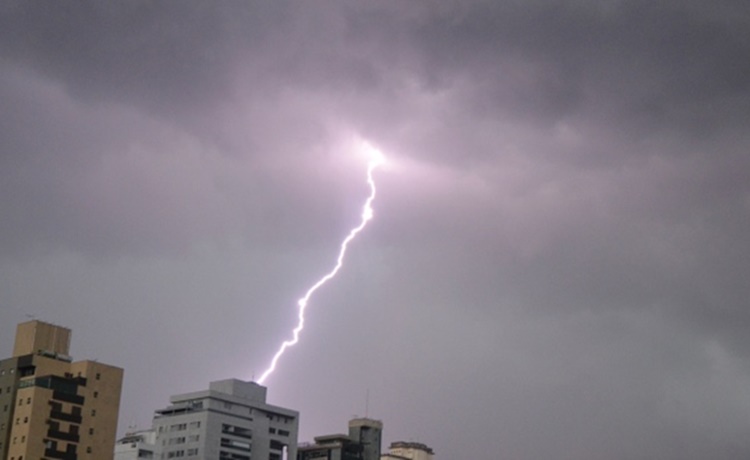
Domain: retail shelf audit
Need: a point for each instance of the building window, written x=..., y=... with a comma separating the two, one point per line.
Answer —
x=98, y=376
x=91, y=431
x=237, y=431
x=235, y=444
x=28, y=400
x=88, y=450
x=232, y=456
x=93, y=412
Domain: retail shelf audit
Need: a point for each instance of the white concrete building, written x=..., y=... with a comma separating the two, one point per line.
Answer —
x=229, y=421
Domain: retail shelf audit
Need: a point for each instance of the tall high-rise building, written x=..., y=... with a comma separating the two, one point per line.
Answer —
x=229, y=421
x=52, y=407
x=362, y=443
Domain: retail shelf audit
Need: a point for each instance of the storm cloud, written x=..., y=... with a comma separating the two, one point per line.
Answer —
x=558, y=263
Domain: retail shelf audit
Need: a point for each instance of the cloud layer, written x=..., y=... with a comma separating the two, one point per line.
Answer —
x=558, y=261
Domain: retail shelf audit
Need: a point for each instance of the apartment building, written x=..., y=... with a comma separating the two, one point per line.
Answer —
x=229, y=421
x=52, y=407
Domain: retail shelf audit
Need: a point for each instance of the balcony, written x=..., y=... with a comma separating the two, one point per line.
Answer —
x=65, y=417
x=52, y=453
x=63, y=436
x=67, y=397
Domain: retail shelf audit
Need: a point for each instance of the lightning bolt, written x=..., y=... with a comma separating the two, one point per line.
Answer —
x=376, y=159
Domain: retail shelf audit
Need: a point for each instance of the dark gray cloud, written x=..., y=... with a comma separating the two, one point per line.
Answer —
x=559, y=257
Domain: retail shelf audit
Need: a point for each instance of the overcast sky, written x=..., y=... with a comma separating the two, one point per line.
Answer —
x=559, y=262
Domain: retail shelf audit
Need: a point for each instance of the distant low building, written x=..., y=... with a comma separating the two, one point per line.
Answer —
x=362, y=443
x=331, y=447
x=136, y=445
x=401, y=450
x=53, y=407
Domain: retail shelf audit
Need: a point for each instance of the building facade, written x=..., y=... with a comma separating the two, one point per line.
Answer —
x=52, y=407
x=362, y=443
x=229, y=421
